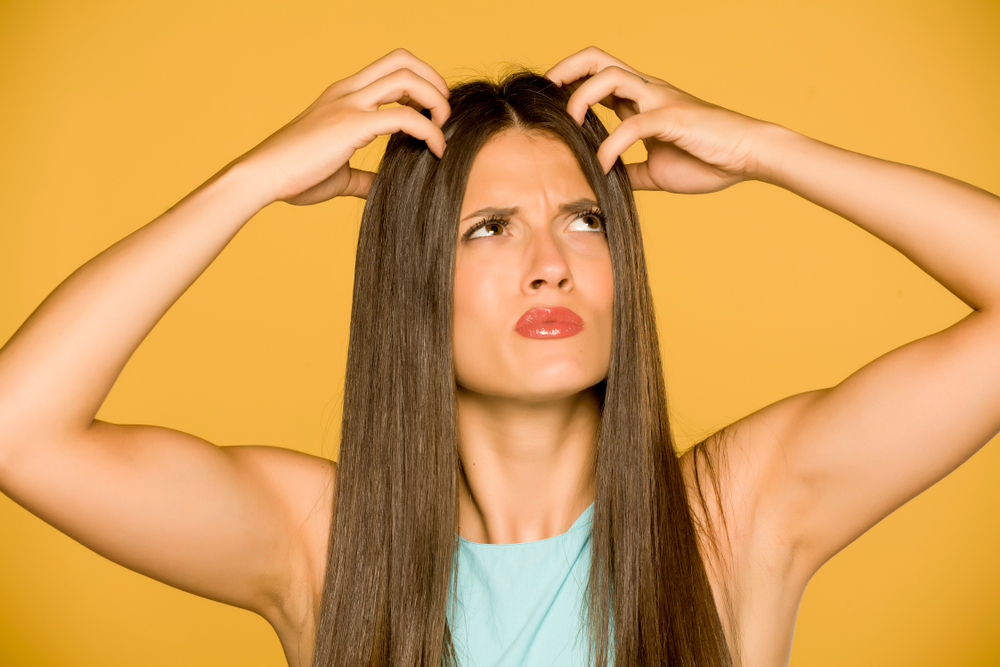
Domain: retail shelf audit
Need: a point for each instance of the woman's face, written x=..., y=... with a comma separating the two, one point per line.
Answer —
x=533, y=285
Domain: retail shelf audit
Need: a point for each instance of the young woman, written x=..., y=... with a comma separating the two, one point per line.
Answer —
x=507, y=490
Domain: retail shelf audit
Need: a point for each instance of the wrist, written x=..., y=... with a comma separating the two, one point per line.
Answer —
x=771, y=144
x=254, y=185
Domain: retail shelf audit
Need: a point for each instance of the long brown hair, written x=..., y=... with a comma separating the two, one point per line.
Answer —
x=393, y=539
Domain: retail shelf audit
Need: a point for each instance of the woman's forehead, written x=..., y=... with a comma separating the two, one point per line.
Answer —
x=519, y=168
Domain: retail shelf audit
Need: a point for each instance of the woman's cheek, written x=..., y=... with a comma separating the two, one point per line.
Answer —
x=474, y=331
x=602, y=288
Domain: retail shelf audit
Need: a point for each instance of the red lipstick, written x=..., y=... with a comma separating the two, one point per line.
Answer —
x=554, y=322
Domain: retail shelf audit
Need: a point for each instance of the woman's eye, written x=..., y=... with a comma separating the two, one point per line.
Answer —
x=488, y=229
x=586, y=223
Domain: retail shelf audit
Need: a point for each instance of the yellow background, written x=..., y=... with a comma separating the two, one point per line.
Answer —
x=112, y=111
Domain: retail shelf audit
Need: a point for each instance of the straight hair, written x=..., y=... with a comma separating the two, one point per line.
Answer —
x=394, y=531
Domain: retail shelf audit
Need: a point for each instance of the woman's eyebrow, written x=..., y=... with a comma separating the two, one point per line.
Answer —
x=578, y=206
x=492, y=210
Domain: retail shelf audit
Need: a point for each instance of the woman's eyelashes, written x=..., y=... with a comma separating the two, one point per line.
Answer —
x=587, y=221
x=492, y=226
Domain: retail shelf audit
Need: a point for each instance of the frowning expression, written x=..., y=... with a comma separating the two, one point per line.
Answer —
x=533, y=279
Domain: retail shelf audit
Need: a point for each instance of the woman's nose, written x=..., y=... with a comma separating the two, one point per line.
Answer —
x=546, y=266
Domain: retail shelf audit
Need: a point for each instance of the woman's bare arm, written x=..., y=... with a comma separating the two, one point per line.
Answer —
x=235, y=524
x=138, y=494
x=210, y=520
x=853, y=453
x=822, y=467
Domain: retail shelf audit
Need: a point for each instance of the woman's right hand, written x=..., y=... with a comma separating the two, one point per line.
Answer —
x=306, y=161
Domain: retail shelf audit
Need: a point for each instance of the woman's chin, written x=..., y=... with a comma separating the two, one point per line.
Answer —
x=539, y=387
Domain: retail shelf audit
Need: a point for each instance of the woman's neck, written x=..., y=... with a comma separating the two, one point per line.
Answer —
x=529, y=467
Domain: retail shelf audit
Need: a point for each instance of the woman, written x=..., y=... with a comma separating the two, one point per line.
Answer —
x=550, y=428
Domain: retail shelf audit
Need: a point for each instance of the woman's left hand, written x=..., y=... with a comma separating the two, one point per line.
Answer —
x=692, y=146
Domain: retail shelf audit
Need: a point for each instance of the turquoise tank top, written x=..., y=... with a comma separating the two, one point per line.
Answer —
x=520, y=605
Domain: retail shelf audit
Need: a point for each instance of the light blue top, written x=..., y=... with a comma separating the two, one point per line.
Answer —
x=520, y=605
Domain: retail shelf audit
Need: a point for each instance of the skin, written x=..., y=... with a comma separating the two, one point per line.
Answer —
x=803, y=477
x=526, y=427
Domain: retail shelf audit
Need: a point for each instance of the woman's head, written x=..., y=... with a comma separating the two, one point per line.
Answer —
x=433, y=311
x=517, y=162
x=531, y=240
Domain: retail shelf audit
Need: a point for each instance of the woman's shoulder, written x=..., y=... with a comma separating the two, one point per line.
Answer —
x=305, y=485
x=734, y=480
x=734, y=477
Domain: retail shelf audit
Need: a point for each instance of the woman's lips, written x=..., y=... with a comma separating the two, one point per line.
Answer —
x=554, y=322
